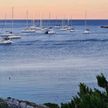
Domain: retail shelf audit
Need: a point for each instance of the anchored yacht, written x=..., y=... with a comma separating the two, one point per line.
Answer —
x=5, y=41
x=87, y=30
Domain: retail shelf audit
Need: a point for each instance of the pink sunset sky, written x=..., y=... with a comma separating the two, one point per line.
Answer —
x=96, y=9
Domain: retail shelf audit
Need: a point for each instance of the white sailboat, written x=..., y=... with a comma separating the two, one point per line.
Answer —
x=10, y=34
x=40, y=29
x=4, y=40
x=72, y=28
x=50, y=30
x=63, y=27
x=57, y=26
x=87, y=30
x=28, y=29
x=68, y=27
x=68, y=24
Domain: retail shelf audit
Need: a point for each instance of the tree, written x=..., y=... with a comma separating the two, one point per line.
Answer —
x=90, y=98
x=102, y=82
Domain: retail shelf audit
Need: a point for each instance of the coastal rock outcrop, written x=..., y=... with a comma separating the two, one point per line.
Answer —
x=15, y=103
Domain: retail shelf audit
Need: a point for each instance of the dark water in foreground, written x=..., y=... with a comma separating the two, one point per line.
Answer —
x=47, y=68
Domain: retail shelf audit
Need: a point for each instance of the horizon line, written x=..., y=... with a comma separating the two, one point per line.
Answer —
x=55, y=19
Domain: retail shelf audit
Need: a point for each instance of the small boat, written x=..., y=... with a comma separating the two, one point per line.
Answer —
x=50, y=31
x=87, y=31
x=64, y=28
x=14, y=37
x=40, y=30
x=104, y=26
x=5, y=41
x=67, y=28
x=10, y=35
x=72, y=29
x=29, y=30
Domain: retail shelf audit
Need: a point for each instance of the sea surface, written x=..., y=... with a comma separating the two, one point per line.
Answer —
x=49, y=68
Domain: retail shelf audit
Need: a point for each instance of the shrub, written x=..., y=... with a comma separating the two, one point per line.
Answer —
x=88, y=98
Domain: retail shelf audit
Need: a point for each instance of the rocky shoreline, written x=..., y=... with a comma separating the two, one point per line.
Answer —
x=15, y=103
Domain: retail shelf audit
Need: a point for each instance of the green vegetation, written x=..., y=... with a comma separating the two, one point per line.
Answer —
x=52, y=105
x=88, y=98
x=3, y=104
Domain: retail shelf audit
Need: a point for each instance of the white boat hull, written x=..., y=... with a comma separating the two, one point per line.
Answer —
x=11, y=36
x=14, y=37
x=4, y=42
x=86, y=32
x=29, y=30
x=50, y=32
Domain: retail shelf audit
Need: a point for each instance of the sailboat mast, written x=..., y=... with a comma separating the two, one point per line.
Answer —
x=71, y=21
x=68, y=22
x=5, y=21
x=40, y=22
x=27, y=18
x=62, y=22
x=85, y=20
x=49, y=19
x=33, y=22
x=12, y=19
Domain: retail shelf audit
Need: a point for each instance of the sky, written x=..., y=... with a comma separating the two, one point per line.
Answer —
x=96, y=9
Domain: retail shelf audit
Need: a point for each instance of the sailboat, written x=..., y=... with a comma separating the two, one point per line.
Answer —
x=4, y=40
x=50, y=30
x=40, y=29
x=63, y=28
x=28, y=29
x=33, y=27
x=68, y=27
x=72, y=28
x=87, y=30
x=10, y=34
x=68, y=24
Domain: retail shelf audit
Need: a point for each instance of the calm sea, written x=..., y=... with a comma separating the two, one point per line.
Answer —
x=48, y=68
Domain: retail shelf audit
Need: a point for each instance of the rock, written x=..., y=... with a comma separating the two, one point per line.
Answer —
x=15, y=103
x=28, y=106
x=23, y=105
